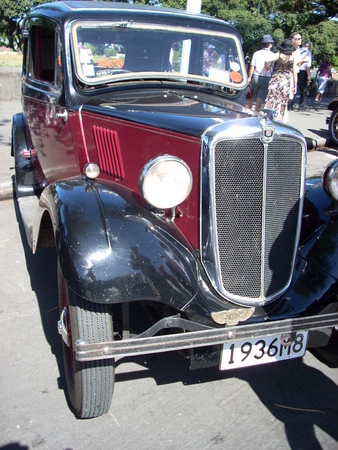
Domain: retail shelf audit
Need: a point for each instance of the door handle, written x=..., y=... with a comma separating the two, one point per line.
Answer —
x=62, y=115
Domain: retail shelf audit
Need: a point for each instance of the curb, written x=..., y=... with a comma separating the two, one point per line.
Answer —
x=6, y=190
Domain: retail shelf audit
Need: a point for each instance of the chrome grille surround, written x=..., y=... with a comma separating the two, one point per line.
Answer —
x=252, y=189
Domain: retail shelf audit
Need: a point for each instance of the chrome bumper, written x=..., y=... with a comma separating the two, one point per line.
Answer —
x=147, y=343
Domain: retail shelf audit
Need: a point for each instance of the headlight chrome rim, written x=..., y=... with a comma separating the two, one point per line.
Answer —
x=91, y=170
x=330, y=180
x=165, y=182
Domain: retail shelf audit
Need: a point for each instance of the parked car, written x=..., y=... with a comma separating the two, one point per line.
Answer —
x=332, y=120
x=181, y=219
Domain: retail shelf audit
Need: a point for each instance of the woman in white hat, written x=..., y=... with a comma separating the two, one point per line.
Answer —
x=280, y=83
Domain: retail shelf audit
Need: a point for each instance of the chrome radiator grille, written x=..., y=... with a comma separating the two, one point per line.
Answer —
x=255, y=214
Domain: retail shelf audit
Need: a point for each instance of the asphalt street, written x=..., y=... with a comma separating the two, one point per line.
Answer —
x=158, y=403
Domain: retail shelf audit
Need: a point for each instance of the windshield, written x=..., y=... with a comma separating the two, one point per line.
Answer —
x=108, y=52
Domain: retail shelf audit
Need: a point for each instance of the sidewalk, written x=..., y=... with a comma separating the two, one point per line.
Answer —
x=311, y=122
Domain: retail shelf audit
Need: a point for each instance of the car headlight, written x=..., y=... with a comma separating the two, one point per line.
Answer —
x=330, y=179
x=91, y=170
x=165, y=182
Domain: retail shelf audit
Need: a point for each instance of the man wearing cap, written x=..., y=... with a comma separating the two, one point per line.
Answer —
x=296, y=39
x=258, y=75
x=304, y=73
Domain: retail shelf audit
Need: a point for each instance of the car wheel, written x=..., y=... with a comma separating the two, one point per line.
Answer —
x=89, y=384
x=333, y=126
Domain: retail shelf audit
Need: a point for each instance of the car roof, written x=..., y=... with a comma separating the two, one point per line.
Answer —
x=64, y=11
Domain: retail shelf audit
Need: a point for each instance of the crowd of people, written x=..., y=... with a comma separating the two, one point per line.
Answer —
x=275, y=77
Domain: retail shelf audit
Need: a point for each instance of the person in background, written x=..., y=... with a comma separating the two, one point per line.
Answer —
x=323, y=75
x=304, y=73
x=209, y=56
x=296, y=39
x=280, y=83
x=258, y=75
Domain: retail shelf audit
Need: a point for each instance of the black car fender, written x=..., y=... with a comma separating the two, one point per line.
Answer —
x=321, y=250
x=333, y=104
x=112, y=250
x=319, y=234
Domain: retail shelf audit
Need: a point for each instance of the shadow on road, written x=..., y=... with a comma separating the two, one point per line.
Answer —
x=42, y=270
x=4, y=126
x=299, y=396
x=323, y=133
x=332, y=151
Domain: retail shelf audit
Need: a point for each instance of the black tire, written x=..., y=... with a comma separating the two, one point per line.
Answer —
x=90, y=385
x=333, y=126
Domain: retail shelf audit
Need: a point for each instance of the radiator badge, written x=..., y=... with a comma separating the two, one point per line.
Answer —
x=268, y=134
x=232, y=316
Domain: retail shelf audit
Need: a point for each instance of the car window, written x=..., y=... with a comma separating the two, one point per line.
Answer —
x=42, y=65
x=109, y=52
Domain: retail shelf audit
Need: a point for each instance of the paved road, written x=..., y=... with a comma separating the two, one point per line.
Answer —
x=158, y=403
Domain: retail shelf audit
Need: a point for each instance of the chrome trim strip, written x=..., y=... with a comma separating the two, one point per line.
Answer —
x=85, y=351
x=83, y=134
x=265, y=172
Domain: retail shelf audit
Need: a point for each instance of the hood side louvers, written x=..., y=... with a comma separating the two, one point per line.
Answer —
x=109, y=152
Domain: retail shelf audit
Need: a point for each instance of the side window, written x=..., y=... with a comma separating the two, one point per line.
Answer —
x=43, y=54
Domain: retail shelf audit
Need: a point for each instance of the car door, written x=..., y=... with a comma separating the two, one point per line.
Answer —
x=46, y=113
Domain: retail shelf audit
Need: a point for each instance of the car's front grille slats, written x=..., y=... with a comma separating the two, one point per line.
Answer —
x=282, y=210
x=255, y=217
x=238, y=194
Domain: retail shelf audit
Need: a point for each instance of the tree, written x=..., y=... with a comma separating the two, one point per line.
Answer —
x=253, y=18
x=324, y=38
x=11, y=14
x=247, y=18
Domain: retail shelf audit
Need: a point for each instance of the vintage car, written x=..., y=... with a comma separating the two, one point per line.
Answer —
x=181, y=219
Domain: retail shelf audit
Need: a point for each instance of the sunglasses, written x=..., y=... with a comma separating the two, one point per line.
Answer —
x=298, y=39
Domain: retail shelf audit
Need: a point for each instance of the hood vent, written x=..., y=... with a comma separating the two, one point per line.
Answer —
x=109, y=152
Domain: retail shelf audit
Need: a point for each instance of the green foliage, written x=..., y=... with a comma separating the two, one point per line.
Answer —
x=110, y=52
x=324, y=37
x=11, y=14
x=252, y=18
x=334, y=61
x=100, y=49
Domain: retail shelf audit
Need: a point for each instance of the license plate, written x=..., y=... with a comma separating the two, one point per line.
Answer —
x=261, y=350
